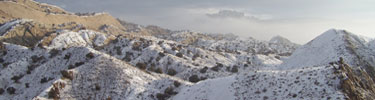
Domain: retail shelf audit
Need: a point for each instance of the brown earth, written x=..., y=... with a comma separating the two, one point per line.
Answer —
x=27, y=9
x=47, y=19
x=355, y=83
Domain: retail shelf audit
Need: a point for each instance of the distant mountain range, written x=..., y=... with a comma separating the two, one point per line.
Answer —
x=48, y=53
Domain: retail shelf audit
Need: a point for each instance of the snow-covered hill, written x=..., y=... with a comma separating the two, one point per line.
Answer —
x=304, y=83
x=312, y=72
x=41, y=61
x=132, y=67
x=231, y=43
x=77, y=72
x=355, y=50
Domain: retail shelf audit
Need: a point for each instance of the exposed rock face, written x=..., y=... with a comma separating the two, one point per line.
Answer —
x=355, y=83
x=2, y=46
x=47, y=19
x=60, y=55
x=47, y=14
x=355, y=47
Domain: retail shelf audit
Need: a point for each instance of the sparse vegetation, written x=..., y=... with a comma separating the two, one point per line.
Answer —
x=27, y=85
x=71, y=66
x=67, y=74
x=67, y=56
x=174, y=48
x=192, y=58
x=159, y=70
x=11, y=90
x=97, y=87
x=161, y=96
x=170, y=91
x=54, y=92
x=90, y=55
x=277, y=57
x=294, y=95
x=79, y=64
x=160, y=42
x=141, y=66
x=217, y=67
x=179, y=55
x=203, y=70
x=128, y=56
x=195, y=56
x=1, y=91
x=176, y=83
x=17, y=78
x=118, y=50
x=36, y=58
x=5, y=52
x=194, y=78
x=137, y=46
x=152, y=69
x=6, y=64
x=171, y=72
x=115, y=41
x=257, y=92
x=30, y=68
x=265, y=97
x=44, y=80
x=1, y=60
x=234, y=69
x=161, y=54
x=53, y=53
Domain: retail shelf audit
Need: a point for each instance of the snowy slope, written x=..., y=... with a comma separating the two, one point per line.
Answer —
x=329, y=47
x=152, y=63
x=153, y=54
x=310, y=73
x=231, y=43
x=313, y=83
x=215, y=89
x=32, y=72
x=92, y=65
x=122, y=53
x=184, y=62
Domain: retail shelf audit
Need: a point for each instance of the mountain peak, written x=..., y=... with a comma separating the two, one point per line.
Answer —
x=61, y=55
x=279, y=39
x=328, y=47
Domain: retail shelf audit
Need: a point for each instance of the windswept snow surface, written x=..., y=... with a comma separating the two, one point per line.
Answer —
x=216, y=89
x=96, y=75
x=150, y=68
x=307, y=74
x=329, y=47
x=313, y=83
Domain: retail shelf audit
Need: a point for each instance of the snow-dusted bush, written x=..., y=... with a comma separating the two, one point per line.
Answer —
x=141, y=65
x=179, y=55
x=11, y=90
x=159, y=70
x=1, y=91
x=171, y=72
x=194, y=78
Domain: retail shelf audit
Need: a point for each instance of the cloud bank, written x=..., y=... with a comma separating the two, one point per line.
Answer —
x=237, y=14
x=299, y=21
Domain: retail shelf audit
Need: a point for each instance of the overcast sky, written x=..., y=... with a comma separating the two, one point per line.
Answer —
x=298, y=20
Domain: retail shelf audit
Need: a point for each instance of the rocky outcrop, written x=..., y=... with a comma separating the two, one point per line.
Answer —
x=355, y=83
x=47, y=19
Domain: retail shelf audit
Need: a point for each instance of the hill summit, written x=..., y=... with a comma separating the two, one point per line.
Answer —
x=47, y=53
